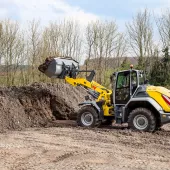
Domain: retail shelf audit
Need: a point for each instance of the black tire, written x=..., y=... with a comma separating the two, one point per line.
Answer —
x=142, y=119
x=88, y=110
x=158, y=127
x=158, y=124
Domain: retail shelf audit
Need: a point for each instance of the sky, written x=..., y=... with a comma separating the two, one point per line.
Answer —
x=84, y=11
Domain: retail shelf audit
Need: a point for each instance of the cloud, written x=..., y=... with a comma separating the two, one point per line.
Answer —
x=155, y=6
x=56, y=10
x=44, y=10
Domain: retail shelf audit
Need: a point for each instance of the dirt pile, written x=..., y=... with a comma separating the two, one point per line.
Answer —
x=38, y=104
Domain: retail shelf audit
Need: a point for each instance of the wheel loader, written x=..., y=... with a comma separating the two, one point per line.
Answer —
x=132, y=100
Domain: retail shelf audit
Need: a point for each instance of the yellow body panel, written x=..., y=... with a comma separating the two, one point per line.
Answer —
x=105, y=94
x=156, y=94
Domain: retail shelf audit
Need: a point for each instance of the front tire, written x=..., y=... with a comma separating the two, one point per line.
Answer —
x=88, y=117
x=142, y=119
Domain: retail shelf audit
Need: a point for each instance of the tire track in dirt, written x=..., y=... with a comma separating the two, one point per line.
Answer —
x=80, y=149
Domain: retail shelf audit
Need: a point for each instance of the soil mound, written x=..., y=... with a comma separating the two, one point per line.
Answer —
x=38, y=105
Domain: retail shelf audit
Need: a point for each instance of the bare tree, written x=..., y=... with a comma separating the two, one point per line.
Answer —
x=11, y=49
x=163, y=24
x=100, y=42
x=121, y=48
x=64, y=39
x=101, y=38
x=34, y=44
x=140, y=33
x=90, y=39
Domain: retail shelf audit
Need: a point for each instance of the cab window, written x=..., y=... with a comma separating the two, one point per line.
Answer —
x=123, y=80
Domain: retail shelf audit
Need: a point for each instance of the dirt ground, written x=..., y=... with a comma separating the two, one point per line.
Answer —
x=33, y=138
x=66, y=147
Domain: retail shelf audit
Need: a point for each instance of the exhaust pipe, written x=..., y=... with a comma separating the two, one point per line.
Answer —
x=59, y=67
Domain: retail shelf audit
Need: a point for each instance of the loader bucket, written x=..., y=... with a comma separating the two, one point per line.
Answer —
x=59, y=67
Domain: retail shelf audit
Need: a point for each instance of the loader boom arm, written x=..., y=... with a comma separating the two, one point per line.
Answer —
x=104, y=93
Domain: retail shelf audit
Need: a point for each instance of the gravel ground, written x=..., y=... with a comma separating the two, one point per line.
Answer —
x=67, y=147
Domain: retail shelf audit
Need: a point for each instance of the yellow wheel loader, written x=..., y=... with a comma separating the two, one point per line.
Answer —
x=132, y=100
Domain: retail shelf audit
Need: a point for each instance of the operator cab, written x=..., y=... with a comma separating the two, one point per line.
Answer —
x=126, y=84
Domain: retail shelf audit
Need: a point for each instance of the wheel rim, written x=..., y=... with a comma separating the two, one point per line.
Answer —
x=87, y=118
x=140, y=122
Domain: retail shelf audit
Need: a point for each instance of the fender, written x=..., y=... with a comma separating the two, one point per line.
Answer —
x=146, y=99
x=95, y=105
x=149, y=100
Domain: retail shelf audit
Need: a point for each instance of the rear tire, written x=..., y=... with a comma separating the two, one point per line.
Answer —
x=88, y=117
x=142, y=119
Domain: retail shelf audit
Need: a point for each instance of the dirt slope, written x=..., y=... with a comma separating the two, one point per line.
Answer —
x=37, y=105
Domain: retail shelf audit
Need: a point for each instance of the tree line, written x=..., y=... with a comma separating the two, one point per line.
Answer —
x=22, y=49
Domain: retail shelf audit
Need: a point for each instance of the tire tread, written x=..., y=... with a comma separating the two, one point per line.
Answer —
x=152, y=121
x=96, y=122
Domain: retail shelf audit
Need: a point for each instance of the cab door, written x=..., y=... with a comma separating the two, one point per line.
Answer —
x=122, y=89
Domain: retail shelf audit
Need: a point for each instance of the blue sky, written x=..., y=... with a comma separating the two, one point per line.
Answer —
x=115, y=8
x=81, y=10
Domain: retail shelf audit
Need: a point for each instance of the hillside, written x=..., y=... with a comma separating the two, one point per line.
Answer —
x=110, y=63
